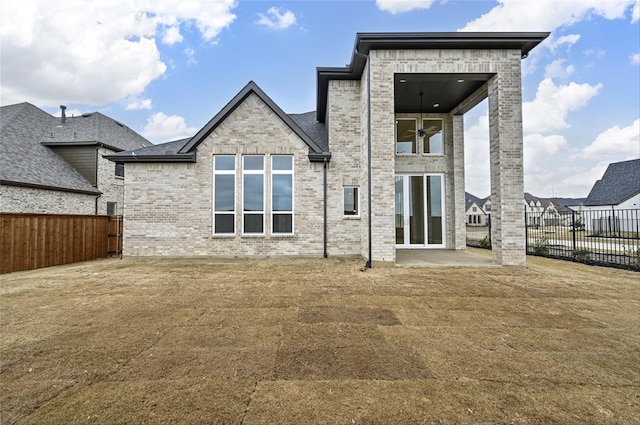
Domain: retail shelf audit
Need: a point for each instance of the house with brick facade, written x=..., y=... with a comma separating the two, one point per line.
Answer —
x=51, y=165
x=377, y=167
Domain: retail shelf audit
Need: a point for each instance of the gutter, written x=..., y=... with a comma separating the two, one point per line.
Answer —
x=186, y=157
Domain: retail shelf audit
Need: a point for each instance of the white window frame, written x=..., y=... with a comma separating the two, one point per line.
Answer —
x=235, y=178
x=293, y=195
x=415, y=130
x=246, y=172
x=424, y=142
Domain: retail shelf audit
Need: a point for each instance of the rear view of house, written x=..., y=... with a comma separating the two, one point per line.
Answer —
x=378, y=166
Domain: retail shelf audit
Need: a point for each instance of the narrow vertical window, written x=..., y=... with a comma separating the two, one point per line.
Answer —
x=282, y=194
x=253, y=194
x=224, y=195
x=433, y=141
x=119, y=169
x=406, y=142
x=351, y=201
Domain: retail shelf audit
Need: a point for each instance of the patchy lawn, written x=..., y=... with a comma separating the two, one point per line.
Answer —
x=298, y=341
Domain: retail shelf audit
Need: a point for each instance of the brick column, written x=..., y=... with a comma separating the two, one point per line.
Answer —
x=459, y=219
x=507, y=177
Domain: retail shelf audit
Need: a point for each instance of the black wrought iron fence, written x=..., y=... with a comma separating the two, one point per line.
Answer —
x=608, y=237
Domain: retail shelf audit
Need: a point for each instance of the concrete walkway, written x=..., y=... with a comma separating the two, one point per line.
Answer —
x=443, y=258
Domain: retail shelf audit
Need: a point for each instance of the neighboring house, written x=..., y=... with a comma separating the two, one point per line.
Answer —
x=379, y=166
x=476, y=213
x=56, y=166
x=614, y=200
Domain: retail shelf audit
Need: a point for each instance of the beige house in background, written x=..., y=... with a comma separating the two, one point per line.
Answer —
x=379, y=166
x=52, y=165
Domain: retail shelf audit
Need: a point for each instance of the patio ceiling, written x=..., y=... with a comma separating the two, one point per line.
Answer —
x=444, y=90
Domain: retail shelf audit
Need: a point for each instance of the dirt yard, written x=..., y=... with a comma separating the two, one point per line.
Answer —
x=297, y=341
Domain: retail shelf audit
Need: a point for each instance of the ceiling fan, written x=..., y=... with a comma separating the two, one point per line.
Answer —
x=422, y=132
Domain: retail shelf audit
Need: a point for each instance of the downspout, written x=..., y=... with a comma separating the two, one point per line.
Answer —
x=325, y=164
x=368, y=264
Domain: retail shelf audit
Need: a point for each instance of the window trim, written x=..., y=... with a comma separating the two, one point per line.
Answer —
x=234, y=211
x=246, y=172
x=424, y=139
x=273, y=173
x=356, y=198
x=415, y=129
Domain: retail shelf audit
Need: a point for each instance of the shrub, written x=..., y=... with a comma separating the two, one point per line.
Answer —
x=541, y=247
x=582, y=255
x=486, y=242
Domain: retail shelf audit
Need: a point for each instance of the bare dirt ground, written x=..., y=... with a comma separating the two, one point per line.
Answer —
x=298, y=341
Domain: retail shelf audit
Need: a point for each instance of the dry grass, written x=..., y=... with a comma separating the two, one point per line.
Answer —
x=296, y=341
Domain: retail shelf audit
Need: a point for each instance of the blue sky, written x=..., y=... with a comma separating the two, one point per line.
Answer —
x=164, y=68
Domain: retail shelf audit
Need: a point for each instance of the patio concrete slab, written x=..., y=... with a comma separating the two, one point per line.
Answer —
x=443, y=258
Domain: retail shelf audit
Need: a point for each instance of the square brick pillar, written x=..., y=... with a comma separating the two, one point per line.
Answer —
x=506, y=157
x=459, y=205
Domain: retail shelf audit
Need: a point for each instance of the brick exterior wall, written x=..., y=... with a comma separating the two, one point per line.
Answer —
x=168, y=206
x=17, y=199
x=112, y=187
x=506, y=146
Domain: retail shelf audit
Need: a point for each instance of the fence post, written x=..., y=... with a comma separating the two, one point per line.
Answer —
x=526, y=232
x=573, y=228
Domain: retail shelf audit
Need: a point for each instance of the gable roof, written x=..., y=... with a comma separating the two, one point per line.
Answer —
x=305, y=126
x=620, y=182
x=29, y=138
x=472, y=199
x=24, y=161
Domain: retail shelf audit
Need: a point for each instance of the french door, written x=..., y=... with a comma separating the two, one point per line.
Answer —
x=419, y=204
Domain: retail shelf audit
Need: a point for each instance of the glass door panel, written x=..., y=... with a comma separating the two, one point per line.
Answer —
x=419, y=211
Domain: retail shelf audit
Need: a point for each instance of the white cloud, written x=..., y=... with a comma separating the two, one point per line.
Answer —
x=136, y=103
x=635, y=58
x=172, y=35
x=190, y=54
x=162, y=127
x=548, y=111
x=615, y=144
x=554, y=44
x=93, y=53
x=400, y=6
x=546, y=15
x=277, y=20
x=556, y=69
x=635, y=14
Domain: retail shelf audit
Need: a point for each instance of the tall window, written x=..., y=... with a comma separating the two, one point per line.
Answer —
x=406, y=142
x=433, y=142
x=351, y=201
x=282, y=194
x=224, y=199
x=253, y=194
x=119, y=169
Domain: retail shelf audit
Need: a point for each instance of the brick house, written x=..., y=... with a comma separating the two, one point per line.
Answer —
x=379, y=166
x=55, y=165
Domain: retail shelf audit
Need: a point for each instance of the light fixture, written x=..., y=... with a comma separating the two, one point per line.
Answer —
x=436, y=105
x=461, y=80
x=402, y=80
x=421, y=131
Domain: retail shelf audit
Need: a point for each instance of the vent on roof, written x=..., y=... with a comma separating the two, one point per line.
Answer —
x=63, y=116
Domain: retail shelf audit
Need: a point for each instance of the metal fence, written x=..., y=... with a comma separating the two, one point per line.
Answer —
x=608, y=237
x=605, y=237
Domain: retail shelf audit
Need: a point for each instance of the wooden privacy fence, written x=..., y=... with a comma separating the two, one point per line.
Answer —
x=31, y=241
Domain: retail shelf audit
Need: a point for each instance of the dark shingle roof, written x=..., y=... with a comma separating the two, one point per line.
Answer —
x=620, y=182
x=94, y=128
x=27, y=132
x=471, y=199
x=306, y=126
x=25, y=161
